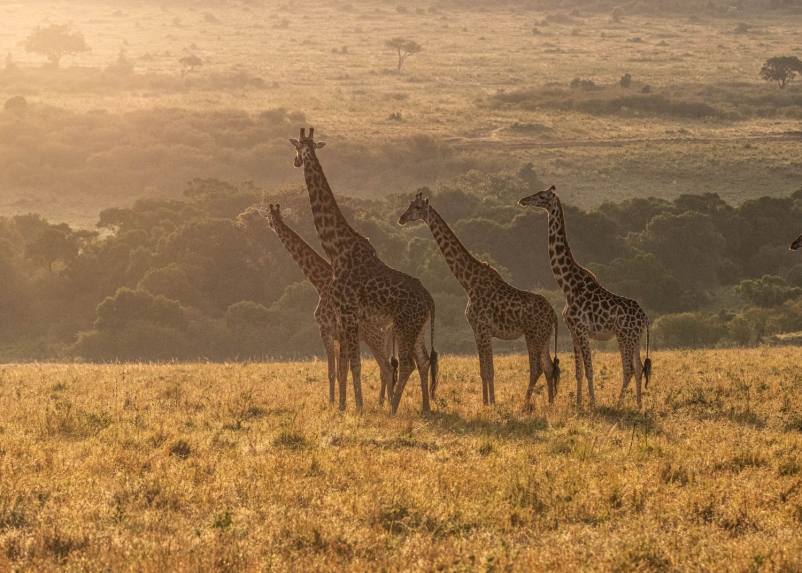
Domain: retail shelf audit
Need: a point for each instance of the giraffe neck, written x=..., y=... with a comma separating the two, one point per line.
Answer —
x=462, y=263
x=316, y=269
x=567, y=272
x=336, y=235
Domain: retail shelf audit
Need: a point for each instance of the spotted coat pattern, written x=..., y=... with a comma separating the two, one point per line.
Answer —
x=364, y=288
x=495, y=308
x=317, y=271
x=591, y=311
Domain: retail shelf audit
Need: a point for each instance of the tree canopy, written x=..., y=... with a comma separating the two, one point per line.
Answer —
x=56, y=41
x=781, y=69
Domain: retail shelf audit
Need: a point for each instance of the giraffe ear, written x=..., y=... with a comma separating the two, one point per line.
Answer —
x=426, y=201
x=320, y=145
x=286, y=212
x=295, y=143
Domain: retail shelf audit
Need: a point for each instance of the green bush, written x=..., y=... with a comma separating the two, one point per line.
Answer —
x=688, y=330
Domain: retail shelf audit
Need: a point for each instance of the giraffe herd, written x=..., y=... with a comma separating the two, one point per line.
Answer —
x=362, y=298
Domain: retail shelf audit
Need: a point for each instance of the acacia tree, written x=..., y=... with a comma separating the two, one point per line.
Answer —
x=189, y=63
x=781, y=69
x=404, y=48
x=55, y=41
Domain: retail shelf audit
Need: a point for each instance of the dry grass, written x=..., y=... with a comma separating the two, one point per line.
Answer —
x=246, y=467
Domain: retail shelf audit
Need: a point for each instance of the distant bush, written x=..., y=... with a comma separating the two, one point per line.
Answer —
x=768, y=292
x=688, y=330
x=16, y=103
x=584, y=84
x=742, y=28
x=625, y=81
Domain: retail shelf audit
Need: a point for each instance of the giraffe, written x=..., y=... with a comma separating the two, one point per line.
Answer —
x=797, y=243
x=317, y=271
x=495, y=308
x=591, y=311
x=365, y=288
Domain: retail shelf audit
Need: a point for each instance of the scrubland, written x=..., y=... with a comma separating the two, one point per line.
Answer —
x=246, y=467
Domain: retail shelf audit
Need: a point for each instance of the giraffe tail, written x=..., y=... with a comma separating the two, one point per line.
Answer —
x=433, y=356
x=556, y=361
x=647, y=364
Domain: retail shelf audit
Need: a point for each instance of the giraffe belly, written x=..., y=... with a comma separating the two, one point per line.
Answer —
x=602, y=335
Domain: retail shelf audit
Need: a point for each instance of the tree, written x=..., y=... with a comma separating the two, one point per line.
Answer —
x=405, y=48
x=55, y=41
x=781, y=69
x=128, y=306
x=54, y=244
x=189, y=63
x=768, y=292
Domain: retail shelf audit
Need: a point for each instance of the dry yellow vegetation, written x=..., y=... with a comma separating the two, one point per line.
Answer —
x=246, y=467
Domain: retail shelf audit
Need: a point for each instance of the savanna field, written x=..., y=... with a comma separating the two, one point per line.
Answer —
x=157, y=411
x=247, y=467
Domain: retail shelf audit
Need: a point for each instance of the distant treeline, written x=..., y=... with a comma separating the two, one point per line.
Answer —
x=181, y=278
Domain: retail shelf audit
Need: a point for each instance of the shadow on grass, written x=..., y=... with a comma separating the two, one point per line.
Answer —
x=523, y=427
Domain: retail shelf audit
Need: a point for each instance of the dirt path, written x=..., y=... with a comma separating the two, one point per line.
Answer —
x=469, y=144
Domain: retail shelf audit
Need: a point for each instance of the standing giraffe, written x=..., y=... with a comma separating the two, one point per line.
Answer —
x=365, y=288
x=318, y=272
x=591, y=311
x=495, y=308
x=797, y=243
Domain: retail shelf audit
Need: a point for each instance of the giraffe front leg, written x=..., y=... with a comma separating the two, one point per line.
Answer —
x=350, y=340
x=580, y=367
x=484, y=346
x=587, y=360
x=330, y=344
x=342, y=372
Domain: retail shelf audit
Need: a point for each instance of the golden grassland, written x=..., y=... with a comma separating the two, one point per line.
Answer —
x=444, y=92
x=247, y=467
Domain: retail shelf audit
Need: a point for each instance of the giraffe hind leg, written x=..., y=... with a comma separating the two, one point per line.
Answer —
x=627, y=364
x=637, y=366
x=406, y=367
x=534, y=348
x=350, y=341
x=422, y=361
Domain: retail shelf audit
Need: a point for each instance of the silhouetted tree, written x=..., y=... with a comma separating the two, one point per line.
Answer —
x=189, y=63
x=405, y=48
x=55, y=42
x=781, y=69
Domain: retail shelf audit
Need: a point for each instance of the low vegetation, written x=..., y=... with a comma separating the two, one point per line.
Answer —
x=242, y=467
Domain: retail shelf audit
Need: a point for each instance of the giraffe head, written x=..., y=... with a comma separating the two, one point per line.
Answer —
x=305, y=147
x=418, y=210
x=797, y=244
x=547, y=200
